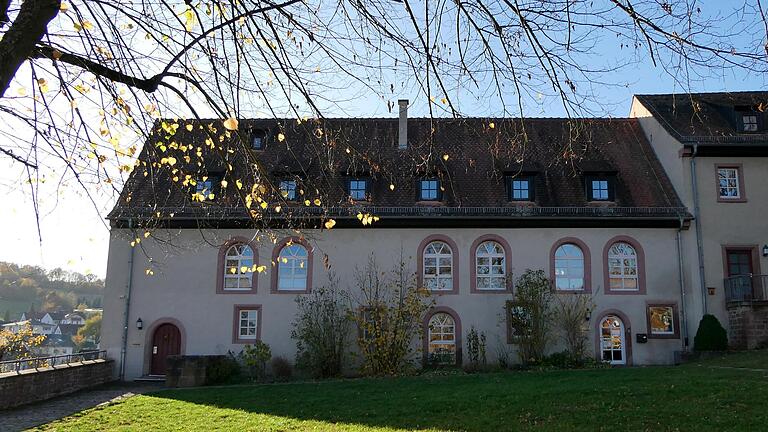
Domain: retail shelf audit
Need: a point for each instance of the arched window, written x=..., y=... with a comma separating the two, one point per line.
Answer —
x=238, y=267
x=441, y=347
x=623, y=267
x=292, y=268
x=569, y=267
x=438, y=266
x=490, y=262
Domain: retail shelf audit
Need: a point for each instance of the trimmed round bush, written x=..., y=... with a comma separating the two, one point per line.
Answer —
x=711, y=335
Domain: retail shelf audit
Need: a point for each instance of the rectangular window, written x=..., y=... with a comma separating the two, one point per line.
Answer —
x=258, y=138
x=205, y=188
x=662, y=321
x=599, y=188
x=429, y=190
x=247, y=322
x=729, y=183
x=358, y=189
x=521, y=188
x=749, y=122
x=288, y=189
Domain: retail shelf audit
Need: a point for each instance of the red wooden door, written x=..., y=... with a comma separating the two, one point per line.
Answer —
x=166, y=341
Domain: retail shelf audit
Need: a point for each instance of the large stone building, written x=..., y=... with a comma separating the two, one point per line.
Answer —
x=467, y=205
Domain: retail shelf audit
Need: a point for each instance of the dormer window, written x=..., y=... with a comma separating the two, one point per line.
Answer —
x=429, y=190
x=749, y=122
x=747, y=118
x=258, y=138
x=599, y=187
x=288, y=189
x=521, y=188
x=358, y=189
x=205, y=188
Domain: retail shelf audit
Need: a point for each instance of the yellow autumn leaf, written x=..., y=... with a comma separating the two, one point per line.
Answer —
x=445, y=157
x=64, y=7
x=330, y=223
x=261, y=268
x=263, y=204
x=391, y=186
x=239, y=184
x=317, y=202
x=280, y=137
x=189, y=127
x=223, y=183
x=278, y=208
x=492, y=125
x=230, y=123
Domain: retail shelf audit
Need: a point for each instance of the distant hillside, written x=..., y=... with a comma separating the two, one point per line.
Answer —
x=25, y=287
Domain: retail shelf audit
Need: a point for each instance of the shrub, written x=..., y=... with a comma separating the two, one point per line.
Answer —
x=711, y=335
x=281, y=368
x=390, y=311
x=255, y=358
x=476, y=349
x=221, y=370
x=321, y=330
x=571, y=311
x=530, y=316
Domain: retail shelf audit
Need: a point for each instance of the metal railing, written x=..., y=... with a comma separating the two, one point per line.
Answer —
x=746, y=288
x=39, y=362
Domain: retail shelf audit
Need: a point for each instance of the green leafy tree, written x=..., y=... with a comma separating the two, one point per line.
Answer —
x=19, y=345
x=255, y=358
x=91, y=331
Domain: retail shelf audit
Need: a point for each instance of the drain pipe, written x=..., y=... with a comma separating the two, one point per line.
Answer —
x=129, y=285
x=681, y=279
x=697, y=215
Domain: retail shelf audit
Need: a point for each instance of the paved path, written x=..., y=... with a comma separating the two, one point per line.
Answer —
x=29, y=416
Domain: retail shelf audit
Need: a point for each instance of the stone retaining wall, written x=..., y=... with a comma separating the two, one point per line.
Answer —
x=34, y=385
x=747, y=325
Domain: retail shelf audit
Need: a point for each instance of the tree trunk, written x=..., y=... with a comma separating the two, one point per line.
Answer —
x=25, y=32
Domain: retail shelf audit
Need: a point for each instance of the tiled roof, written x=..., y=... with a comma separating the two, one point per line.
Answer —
x=706, y=117
x=471, y=156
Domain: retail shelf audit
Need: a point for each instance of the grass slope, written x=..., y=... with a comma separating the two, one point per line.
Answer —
x=692, y=397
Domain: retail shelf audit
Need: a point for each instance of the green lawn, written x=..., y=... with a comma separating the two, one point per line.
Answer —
x=696, y=397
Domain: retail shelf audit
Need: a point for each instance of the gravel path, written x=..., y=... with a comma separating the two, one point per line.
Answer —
x=29, y=416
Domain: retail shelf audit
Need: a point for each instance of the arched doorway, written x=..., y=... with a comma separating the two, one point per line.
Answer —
x=613, y=343
x=166, y=341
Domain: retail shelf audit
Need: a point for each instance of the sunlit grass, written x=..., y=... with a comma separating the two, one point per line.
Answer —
x=692, y=397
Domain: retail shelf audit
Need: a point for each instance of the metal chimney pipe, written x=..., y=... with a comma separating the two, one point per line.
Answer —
x=402, y=137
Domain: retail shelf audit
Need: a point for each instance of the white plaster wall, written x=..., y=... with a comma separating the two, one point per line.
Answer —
x=184, y=284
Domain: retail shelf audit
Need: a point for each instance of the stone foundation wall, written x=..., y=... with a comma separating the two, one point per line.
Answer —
x=34, y=385
x=748, y=325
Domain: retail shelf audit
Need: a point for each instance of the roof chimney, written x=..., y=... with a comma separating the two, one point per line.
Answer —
x=402, y=137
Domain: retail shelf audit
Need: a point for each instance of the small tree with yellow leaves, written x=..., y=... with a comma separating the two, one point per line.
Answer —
x=18, y=345
x=388, y=316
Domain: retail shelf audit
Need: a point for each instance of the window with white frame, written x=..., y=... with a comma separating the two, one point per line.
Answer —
x=749, y=122
x=728, y=183
x=569, y=267
x=438, y=266
x=442, y=339
x=292, y=268
x=238, y=267
x=248, y=324
x=288, y=189
x=623, y=267
x=490, y=261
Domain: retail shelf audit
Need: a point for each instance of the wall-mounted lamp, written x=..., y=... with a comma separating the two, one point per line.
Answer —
x=588, y=314
x=139, y=324
x=765, y=250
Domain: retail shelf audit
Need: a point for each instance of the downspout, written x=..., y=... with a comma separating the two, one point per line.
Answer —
x=129, y=285
x=699, y=236
x=681, y=279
